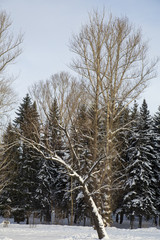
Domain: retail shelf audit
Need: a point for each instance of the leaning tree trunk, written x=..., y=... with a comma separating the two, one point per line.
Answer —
x=97, y=218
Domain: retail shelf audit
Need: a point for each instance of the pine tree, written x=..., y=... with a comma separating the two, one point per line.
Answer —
x=29, y=162
x=55, y=133
x=44, y=191
x=9, y=170
x=57, y=179
x=81, y=138
x=119, y=168
x=139, y=199
x=156, y=141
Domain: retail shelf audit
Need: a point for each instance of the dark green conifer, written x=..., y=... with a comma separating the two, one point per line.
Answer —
x=139, y=199
x=29, y=161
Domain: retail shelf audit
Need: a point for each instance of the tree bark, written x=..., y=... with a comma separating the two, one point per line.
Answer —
x=121, y=217
x=140, y=222
x=97, y=218
x=131, y=221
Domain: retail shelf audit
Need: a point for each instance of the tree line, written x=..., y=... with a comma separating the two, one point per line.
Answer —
x=39, y=185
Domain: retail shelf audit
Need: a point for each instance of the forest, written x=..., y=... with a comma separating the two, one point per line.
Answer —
x=80, y=145
x=40, y=185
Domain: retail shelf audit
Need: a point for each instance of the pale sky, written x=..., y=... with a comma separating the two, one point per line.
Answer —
x=49, y=24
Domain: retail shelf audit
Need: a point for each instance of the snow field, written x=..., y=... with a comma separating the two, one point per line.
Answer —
x=57, y=232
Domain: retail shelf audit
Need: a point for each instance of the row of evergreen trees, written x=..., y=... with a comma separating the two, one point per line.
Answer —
x=141, y=189
x=42, y=186
x=34, y=182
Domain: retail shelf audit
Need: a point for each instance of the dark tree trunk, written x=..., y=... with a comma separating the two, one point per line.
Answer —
x=131, y=221
x=140, y=222
x=27, y=220
x=75, y=218
x=121, y=217
x=48, y=215
x=117, y=218
x=155, y=221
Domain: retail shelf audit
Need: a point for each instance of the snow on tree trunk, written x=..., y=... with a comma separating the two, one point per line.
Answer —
x=97, y=218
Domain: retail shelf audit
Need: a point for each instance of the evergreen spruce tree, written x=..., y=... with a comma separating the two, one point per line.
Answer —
x=9, y=170
x=29, y=162
x=119, y=168
x=156, y=141
x=55, y=133
x=44, y=191
x=57, y=178
x=81, y=134
x=139, y=199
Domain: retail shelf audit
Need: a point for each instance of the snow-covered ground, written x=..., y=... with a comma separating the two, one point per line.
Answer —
x=57, y=232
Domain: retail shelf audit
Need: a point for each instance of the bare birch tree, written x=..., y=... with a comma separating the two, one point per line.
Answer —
x=9, y=51
x=112, y=57
x=62, y=86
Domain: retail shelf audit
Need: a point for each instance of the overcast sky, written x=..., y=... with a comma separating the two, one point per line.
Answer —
x=49, y=24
